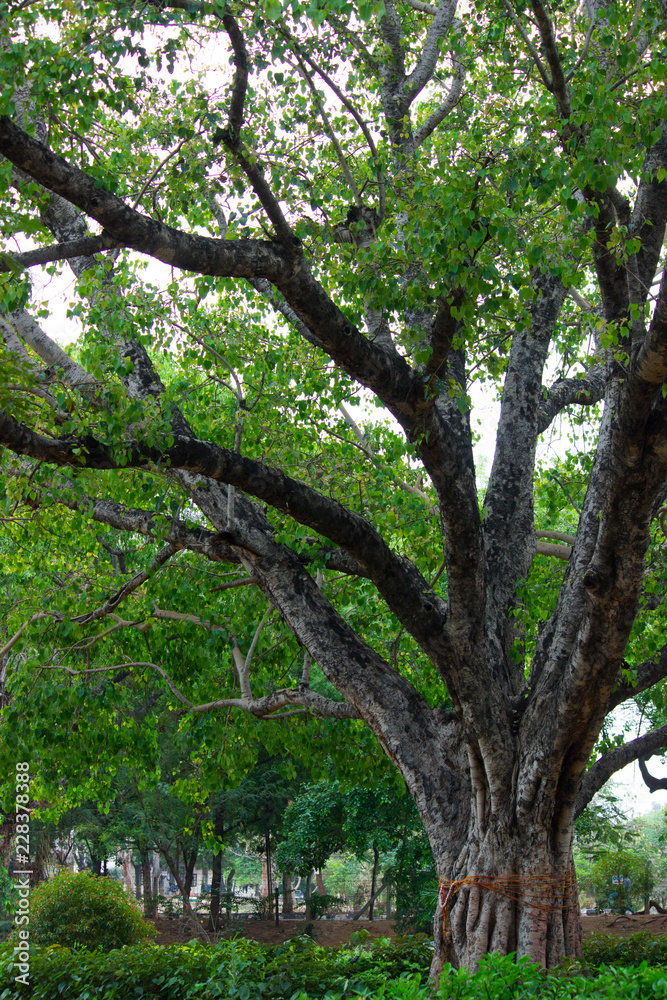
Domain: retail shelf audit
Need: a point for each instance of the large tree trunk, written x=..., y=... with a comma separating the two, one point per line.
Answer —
x=499, y=815
x=511, y=886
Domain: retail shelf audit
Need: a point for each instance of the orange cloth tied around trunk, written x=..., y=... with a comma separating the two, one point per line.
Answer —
x=535, y=891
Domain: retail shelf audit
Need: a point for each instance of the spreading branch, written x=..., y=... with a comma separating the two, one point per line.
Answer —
x=653, y=784
x=128, y=588
x=584, y=391
x=129, y=228
x=612, y=761
x=558, y=85
x=446, y=107
x=313, y=703
x=644, y=677
x=62, y=251
x=231, y=137
x=398, y=580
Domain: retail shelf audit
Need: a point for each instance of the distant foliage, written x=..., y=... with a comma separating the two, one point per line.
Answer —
x=80, y=910
x=416, y=884
x=621, y=880
x=609, y=949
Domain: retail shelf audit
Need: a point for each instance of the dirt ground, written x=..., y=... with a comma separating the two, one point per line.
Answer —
x=610, y=923
x=327, y=932
x=333, y=933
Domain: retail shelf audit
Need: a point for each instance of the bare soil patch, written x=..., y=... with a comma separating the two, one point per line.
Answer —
x=611, y=923
x=334, y=933
x=329, y=933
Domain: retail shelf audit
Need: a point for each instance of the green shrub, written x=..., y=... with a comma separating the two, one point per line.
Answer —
x=621, y=880
x=300, y=970
x=608, y=949
x=81, y=910
x=321, y=903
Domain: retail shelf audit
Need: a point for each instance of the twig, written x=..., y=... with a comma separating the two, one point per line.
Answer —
x=529, y=45
x=584, y=51
x=347, y=173
x=17, y=635
x=160, y=559
x=122, y=666
x=246, y=581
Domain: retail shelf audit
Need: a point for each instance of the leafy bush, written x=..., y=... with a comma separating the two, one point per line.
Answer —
x=321, y=903
x=633, y=950
x=80, y=910
x=413, y=874
x=299, y=970
x=621, y=880
x=237, y=969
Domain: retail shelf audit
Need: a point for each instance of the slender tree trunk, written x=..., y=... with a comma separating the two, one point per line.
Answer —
x=155, y=875
x=376, y=861
x=190, y=865
x=264, y=891
x=126, y=866
x=269, y=873
x=216, y=880
x=173, y=867
x=149, y=902
x=288, y=895
x=216, y=871
x=229, y=894
x=306, y=896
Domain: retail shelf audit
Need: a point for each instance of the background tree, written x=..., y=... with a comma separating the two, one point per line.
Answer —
x=504, y=208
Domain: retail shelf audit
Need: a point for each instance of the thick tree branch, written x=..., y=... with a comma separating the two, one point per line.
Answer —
x=378, y=368
x=649, y=213
x=614, y=760
x=423, y=71
x=231, y=136
x=62, y=251
x=558, y=87
x=653, y=784
x=442, y=332
x=529, y=45
x=584, y=391
x=48, y=350
x=557, y=551
x=509, y=522
x=230, y=258
x=447, y=106
x=398, y=580
x=647, y=674
x=9, y=645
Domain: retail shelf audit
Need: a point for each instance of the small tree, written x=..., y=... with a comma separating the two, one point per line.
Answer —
x=620, y=879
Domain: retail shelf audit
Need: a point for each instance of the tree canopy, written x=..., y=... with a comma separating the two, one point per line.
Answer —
x=394, y=205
